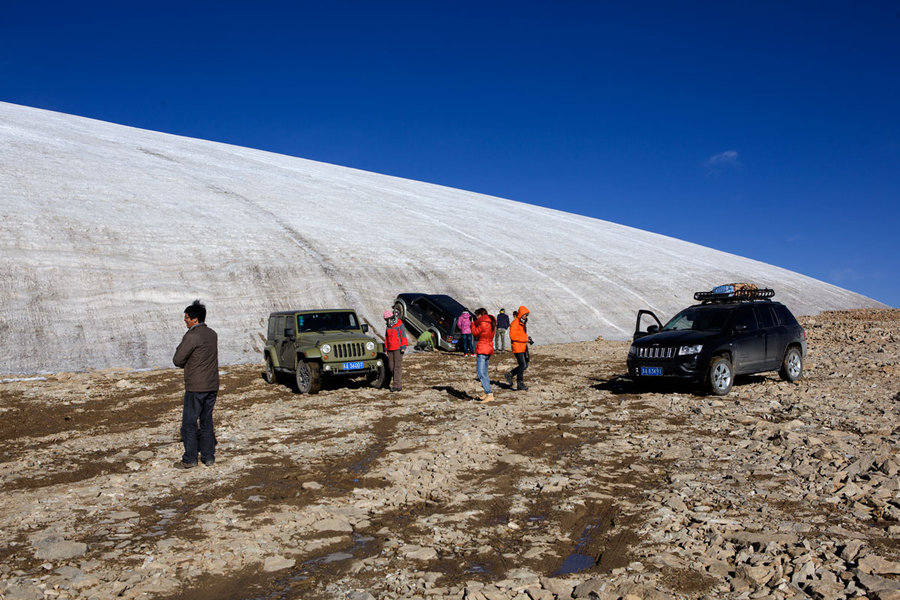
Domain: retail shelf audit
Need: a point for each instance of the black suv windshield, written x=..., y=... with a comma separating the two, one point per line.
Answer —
x=699, y=318
x=324, y=321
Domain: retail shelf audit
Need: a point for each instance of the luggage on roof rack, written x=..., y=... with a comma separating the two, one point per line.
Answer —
x=731, y=292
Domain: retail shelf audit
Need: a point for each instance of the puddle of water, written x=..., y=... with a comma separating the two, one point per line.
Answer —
x=577, y=561
x=477, y=568
x=309, y=568
x=362, y=465
x=574, y=563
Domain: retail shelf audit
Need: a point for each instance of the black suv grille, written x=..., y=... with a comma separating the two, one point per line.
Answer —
x=349, y=350
x=656, y=352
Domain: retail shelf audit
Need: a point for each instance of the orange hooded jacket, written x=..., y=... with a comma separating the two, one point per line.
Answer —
x=517, y=333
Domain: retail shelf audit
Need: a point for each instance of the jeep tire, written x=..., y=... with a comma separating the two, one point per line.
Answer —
x=720, y=376
x=792, y=365
x=398, y=308
x=308, y=377
x=380, y=378
x=269, y=375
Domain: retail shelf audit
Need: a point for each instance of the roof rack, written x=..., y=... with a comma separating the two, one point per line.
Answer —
x=734, y=296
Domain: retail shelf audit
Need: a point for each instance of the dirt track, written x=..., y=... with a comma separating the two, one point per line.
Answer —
x=581, y=485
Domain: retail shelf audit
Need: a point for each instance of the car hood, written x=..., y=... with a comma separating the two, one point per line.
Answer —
x=338, y=336
x=684, y=337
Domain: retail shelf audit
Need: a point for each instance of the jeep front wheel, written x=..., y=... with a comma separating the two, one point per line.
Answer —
x=792, y=365
x=398, y=308
x=720, y=377
x=379, y=378
x=309, y=378
x=270, y=370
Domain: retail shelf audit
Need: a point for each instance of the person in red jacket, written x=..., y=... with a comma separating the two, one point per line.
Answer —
x=394, y=345
x=483, y=330
x=518, y=335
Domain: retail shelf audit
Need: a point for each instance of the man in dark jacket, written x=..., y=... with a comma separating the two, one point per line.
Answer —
x=198, y=355
x=500, y=335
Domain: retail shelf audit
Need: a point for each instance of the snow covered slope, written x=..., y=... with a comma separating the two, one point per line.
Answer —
x=108, y=232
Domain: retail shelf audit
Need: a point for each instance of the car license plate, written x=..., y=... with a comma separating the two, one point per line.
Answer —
x=350, y=366
x=651, y=371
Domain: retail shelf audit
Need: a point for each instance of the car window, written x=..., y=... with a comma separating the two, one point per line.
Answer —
x=744, y=317
x=784, y=315
x=272, y=328
x=325, y=321
x=765, y=316
x=699, y=318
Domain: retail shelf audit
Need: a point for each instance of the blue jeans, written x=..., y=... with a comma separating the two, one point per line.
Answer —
x=198, y=406
x=481, y=369
x=468, y=343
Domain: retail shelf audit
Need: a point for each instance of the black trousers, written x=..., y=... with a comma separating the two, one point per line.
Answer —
x=521, y=364
x=198, y=406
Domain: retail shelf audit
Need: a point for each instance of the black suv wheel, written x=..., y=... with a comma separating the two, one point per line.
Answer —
x=792, y=365
x=721, y=376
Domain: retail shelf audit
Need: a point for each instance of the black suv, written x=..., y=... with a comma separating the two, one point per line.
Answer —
x=436, y=313
x=736, y=332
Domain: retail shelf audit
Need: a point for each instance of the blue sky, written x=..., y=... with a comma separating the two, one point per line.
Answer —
x=766, y=129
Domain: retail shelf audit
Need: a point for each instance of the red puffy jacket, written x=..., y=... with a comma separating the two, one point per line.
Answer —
x=483, y=330
x=394, y=338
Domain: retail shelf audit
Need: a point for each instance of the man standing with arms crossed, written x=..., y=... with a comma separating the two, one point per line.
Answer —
x=198, y=355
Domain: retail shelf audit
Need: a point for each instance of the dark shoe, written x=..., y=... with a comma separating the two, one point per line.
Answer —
x=209, y=462
x=393, y=389
x=521, y=386
x=180, y=464
x=508, y=377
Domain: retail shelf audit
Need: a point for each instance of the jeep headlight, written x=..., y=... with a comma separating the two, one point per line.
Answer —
x=326, y=348
x=688, y=350
x=632, y=351
x=370, y=346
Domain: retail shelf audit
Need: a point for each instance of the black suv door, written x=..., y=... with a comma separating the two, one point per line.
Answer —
x=749, y=341
x=775, y=333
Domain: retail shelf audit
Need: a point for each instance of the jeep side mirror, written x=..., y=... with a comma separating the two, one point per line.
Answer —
x=289, y=332
x=653, y=329
x=365, y=327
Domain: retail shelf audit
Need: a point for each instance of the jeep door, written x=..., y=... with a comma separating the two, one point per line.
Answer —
x=749, y=341
x=288, y=331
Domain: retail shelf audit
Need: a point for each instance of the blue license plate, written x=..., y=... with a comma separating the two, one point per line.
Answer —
x=350, y=366
x=651, y=371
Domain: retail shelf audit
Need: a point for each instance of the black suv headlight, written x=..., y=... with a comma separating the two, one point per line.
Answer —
x=689, y=350
x=632, y=351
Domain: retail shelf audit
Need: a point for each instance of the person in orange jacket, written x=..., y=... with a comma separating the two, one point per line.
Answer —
x=518, y=335
x=394, y=345
x=483, y=330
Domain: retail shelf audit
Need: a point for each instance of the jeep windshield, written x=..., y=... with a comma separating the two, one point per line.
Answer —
x=326, y=321
x=699, y=318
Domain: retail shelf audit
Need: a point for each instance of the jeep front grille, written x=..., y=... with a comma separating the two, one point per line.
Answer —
x=656, y=352
x=348, y=350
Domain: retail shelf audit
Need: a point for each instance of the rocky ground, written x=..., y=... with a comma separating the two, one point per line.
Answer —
x=582, y=486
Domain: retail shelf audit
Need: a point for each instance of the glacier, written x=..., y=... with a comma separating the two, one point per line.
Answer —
x=107, y=232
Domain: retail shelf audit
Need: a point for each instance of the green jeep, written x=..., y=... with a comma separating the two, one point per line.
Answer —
x=312, y=344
